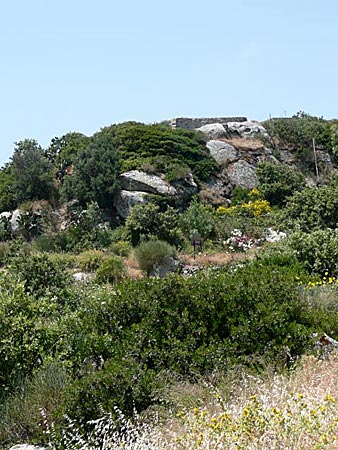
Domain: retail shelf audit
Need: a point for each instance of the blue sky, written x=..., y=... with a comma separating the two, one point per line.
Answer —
x=78, y=65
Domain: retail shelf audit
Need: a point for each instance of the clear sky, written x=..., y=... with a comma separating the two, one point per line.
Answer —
x=79, y=65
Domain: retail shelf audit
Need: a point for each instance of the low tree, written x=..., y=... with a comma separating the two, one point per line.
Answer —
x=95, y=177
x=32, y=172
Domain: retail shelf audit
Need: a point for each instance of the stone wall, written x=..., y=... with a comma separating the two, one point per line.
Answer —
x=193, y=123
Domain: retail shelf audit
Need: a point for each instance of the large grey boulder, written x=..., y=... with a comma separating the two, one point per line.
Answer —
x=246, y=129
x=166, y=266
x=222, y=152
x=126, y=200
x=136, y=180
x=213, y=131
x=242, y=174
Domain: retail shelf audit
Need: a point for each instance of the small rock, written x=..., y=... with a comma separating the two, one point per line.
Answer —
x=166, y=266
x=27, y=447
x=82, y=277
x=136, y=180
x=246, y=129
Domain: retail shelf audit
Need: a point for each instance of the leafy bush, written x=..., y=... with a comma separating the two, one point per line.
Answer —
x=90, y=260
x=120, y=248
x=110, y=270
x=40, y=273
x=312, y=209
x=317, y=250
x=150, y=252
x=197, y=218
x=298, y=131
x=278, y=182
x=147, y=221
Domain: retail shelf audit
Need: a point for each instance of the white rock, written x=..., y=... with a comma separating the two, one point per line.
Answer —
x=27, y=447
x=222, y=152
x=247, y=129
x=15, y=219
x=126, y=200
x=136, y=180
x=213, y=130
x=274, y=236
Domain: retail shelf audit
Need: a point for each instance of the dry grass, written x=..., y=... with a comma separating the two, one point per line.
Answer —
x=132, y=268
x=215, y=259
x=273, y=412
x=245, y=144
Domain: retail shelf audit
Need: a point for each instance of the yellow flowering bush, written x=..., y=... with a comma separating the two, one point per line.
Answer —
x=254, y=208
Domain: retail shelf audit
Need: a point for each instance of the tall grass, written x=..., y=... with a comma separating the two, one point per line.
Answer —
x=298, y=411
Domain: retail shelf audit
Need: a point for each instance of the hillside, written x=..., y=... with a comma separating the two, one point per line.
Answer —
x=106, y=308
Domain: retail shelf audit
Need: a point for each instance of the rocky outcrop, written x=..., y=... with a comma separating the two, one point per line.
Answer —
x=138, y=186
x=242, y=174
x=126, y=200
x=136, y=180
x=222, y=152
x=185, y=187
x=213, y=131
x=246, y=129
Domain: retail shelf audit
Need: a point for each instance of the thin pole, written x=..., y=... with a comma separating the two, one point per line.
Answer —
x=315, y=158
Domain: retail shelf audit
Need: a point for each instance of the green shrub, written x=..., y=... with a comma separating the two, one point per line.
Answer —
x=318, y=250
x=312, y=208
x=90, y=260
x=147, y=221
x=150, y=252
x=198, y=218
x=40, y=273
x=120, y=248
x=110, y=270
x=278, y=182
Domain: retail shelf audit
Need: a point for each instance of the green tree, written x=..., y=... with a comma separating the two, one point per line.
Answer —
x=95, y=177
x=33, y=172
x=8, y=194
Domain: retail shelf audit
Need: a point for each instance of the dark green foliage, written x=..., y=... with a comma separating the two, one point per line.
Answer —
x=63, y=150
x=32, y=172
x=278, y=182
x=161, y=147
x=149, y=253
x=96, y=170
x=297, y=132
x=312, y=209
x=41, y=274
x=147, y=221
x=8, y=193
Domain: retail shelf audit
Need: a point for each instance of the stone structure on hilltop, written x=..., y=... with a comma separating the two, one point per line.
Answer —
x=193, y=123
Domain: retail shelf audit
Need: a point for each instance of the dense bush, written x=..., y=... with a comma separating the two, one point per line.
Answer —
x=297, y=132
x=278, y=182
x=312, y=209
x=317, y=250
x=147, y=221
x=198, y=218
x=161, y=147
x=110, y=270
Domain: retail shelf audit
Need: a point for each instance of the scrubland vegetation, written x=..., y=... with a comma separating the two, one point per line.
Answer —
x=225, y=358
